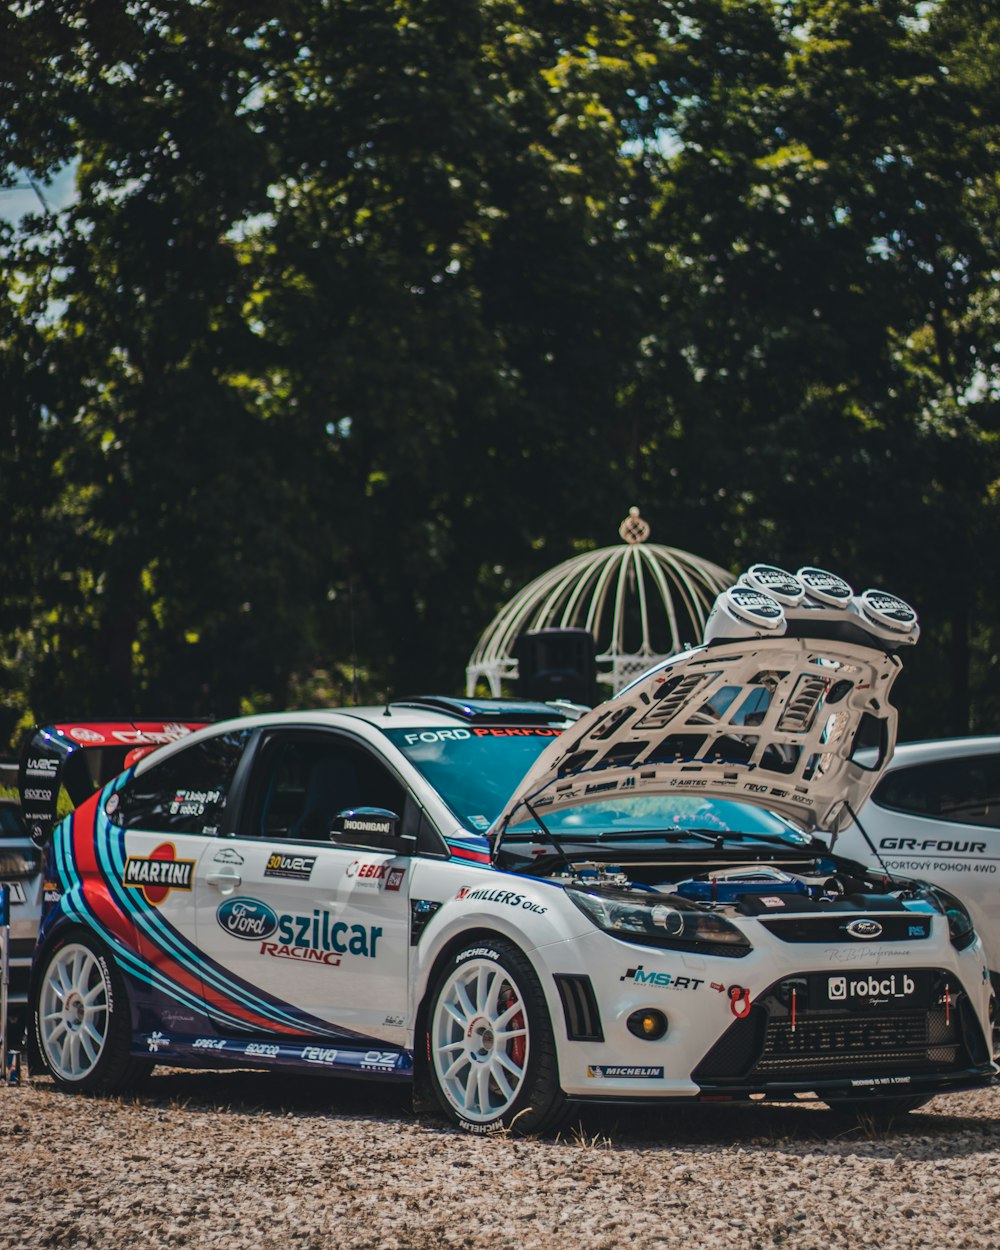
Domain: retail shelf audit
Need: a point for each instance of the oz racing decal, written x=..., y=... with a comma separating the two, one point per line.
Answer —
x=316, y=938
x=158, y=873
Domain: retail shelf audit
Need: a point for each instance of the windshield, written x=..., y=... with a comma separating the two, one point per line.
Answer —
x=652, y=813
x=11, y=824
x=474, y=770
x=477, y=770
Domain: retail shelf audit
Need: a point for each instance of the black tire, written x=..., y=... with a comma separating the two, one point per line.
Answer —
x=81, y=1021
x=882, y=1111
x=489, y=1080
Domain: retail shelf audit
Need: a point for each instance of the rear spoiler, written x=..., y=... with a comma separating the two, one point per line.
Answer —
x=81, y=757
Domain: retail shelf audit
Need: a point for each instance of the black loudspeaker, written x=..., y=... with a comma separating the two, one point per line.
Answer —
x=557, y=664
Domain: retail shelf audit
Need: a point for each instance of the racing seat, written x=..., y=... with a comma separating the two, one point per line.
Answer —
x=332, y=787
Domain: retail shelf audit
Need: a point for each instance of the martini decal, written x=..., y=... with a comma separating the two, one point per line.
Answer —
x=158, y=873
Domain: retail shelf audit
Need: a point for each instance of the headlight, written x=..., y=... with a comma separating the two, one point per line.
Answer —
x=960, y=926
x=665, y=920
x=19, y=862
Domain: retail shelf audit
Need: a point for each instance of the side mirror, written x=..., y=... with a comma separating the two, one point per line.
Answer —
x=374, y=827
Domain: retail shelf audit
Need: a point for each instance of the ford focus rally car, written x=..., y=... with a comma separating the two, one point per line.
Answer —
x=527, y=910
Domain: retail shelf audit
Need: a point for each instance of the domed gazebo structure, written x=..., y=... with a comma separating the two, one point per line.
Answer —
x=642, y=602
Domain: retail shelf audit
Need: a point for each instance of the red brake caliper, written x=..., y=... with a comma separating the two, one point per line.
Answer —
x=517, y=1045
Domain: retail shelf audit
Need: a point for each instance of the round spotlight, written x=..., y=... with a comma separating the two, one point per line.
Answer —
x=777, y=583
x=648, y=1023
x=826, y=588
x=887, y=611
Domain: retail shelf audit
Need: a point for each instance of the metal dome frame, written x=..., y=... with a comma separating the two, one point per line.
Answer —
x=576, y=594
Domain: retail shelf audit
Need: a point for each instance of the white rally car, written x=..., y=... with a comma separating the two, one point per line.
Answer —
x=935, y=813
x=523, y=909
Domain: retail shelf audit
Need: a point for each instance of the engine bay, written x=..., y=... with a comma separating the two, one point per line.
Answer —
x=768, y=888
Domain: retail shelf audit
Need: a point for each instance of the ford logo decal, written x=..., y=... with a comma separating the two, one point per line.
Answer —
x=864, y=928
x=247, y=918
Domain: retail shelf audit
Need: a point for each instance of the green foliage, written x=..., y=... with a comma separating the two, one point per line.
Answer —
x=367, y=312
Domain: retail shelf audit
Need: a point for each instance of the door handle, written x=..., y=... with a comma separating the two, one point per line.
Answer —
x=226, y=882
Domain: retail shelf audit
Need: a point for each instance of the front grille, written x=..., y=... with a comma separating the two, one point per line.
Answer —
x=935, y=1032
x=832, y=927
x=848, y=1043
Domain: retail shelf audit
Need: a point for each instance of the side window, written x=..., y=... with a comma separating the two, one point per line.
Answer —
x=186, y=793
x=303, y=782
x=966, y=791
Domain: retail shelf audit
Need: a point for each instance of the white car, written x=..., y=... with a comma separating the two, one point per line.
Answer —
x=935, y=813
x=523, y=910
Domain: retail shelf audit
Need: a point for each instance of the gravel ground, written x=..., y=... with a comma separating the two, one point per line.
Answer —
x=252, y=1160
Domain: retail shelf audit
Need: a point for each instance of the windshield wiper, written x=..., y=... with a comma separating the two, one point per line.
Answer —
x=719, y=836
x=552, y=840
x=673, y=834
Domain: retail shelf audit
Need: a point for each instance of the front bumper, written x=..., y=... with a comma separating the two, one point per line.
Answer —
x=798, y=1026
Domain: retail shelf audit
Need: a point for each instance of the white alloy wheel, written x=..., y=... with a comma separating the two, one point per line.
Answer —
x=480, y=1044
x=74, y=1012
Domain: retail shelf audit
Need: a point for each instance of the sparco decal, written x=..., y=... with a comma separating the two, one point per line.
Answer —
x=507, y=897
x=262, y=1050
x=158, y=873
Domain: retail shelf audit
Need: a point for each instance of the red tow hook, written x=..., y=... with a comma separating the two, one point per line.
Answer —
x=739, y=1001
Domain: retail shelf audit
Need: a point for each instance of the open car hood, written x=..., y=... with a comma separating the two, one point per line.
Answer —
x=780, y=723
